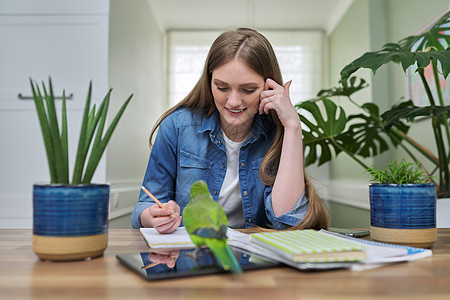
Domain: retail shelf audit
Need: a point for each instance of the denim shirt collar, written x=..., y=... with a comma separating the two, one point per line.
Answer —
x=261, y=125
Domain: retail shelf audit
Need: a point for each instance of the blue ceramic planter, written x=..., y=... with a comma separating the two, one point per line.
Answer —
x=70, y=221
x=409, y=206
x=403, y=212
x=65, y=210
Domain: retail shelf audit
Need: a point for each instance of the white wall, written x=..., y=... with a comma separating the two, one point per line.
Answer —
x=135, y=66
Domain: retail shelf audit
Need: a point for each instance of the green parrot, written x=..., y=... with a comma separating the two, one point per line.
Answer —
x=206, y=223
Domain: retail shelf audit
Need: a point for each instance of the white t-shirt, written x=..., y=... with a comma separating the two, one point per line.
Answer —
x=230, y=193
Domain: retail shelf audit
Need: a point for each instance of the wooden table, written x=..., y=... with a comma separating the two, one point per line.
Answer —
x=23, y=276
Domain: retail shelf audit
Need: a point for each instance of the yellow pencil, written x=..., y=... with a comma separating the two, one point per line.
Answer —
x=153, y=197
x=160, y=204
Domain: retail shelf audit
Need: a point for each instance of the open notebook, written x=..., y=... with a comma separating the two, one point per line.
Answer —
x=177, y=239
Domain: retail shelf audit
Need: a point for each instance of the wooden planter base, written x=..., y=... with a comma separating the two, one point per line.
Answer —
x=422, y=238
x=69, y=248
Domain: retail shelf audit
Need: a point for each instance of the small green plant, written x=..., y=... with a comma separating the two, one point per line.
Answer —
x=56, y=137
x=399, y=173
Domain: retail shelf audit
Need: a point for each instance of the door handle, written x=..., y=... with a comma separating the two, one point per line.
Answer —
x=24, y=97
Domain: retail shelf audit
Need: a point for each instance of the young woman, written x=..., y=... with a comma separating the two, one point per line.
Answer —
x=238, y=131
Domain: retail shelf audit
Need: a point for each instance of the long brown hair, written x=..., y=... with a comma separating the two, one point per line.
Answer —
x=256, y=52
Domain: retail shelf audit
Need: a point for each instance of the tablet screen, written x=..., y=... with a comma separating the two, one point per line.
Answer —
x=149, y=266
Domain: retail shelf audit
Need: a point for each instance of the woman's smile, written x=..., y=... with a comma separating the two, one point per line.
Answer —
x=235, y=111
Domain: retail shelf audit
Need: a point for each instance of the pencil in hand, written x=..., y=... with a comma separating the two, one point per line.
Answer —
x=160, y=204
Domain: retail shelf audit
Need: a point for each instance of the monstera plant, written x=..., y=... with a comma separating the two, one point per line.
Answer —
x=329, y=129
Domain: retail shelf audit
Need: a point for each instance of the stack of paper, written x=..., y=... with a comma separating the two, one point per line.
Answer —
x=379, y=254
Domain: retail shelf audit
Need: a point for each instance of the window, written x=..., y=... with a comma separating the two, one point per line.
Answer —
x=300, y=56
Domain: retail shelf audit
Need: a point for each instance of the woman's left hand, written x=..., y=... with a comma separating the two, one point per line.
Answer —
x=277, y=97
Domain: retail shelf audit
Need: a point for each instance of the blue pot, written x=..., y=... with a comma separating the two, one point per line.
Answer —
x=70, y=221
x=403, y=213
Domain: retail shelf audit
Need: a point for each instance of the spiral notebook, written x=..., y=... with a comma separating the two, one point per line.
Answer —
x=379, y=254
x=309, y=246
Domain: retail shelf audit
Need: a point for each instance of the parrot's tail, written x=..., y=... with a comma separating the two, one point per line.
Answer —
x=225, y=256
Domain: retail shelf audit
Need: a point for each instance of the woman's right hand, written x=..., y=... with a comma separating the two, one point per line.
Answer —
x=164, y=220
x=164, y=257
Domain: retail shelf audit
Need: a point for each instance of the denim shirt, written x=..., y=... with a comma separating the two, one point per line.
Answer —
x=189, y=147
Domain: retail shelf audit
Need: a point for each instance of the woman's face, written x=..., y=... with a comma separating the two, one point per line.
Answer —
x=236, y=88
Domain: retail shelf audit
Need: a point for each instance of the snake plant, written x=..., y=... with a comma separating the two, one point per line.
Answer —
x=56, y=138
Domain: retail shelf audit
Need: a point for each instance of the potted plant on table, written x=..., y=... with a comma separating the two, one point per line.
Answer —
x=327, y=128
x=367, y=133
x=402, y=205
x=70, y=217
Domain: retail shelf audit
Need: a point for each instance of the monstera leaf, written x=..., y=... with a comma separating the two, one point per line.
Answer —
x=435, y=38
x=369, y=133
x=408, y=111
x=346, y=88
x=409, y=51
x=366, y=131
x=323, y=132
x=394, y=52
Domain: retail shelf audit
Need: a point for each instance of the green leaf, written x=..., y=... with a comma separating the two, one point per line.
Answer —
x=54, y=133
x=81, y=154
x=323, y=132
x=64, y=139
x=56, y=144
x=374, y=60
x=409, y=51
x=444, y=58
x=367, y=132
x=92, y=125
x=43, y=121
x=344, y=89
x=104, y=142
x=94, y=155
x=399, y=173
x=409, y=112
x=436, y=37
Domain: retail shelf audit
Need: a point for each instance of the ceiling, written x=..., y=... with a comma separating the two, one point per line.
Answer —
x=258, y=14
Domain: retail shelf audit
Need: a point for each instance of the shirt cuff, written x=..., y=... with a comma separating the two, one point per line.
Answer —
x=290, y=218
x=136, y=214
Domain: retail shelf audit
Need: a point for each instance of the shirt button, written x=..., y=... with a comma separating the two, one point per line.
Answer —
x=245, y=193
x=242, y=164
x=213, y=136
x=218, y=142
x=223, y=166
x=215, y=192
x=250, y=220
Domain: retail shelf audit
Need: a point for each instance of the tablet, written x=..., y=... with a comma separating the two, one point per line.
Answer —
x=185, y=265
